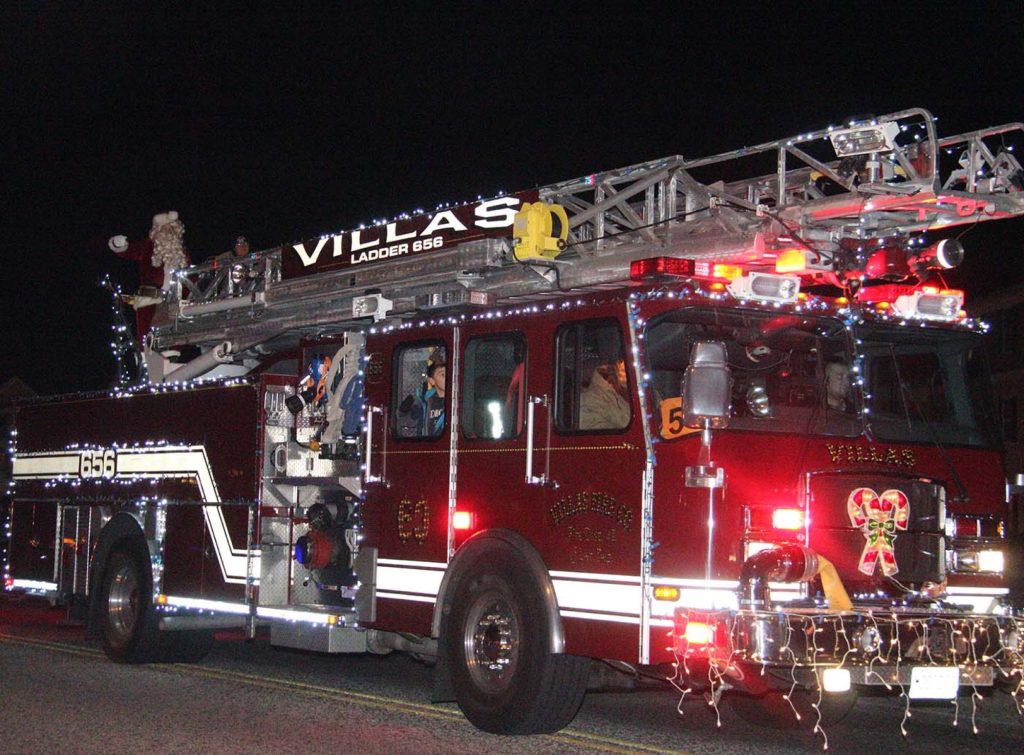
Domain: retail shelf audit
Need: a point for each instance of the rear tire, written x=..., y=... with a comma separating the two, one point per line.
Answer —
x=496, y=636
x=130, y=633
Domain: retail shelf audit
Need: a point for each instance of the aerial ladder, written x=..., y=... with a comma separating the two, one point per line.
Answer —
x=819, y=204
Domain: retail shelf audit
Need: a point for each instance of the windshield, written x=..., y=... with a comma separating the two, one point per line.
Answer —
x=790, y=373
x=926, y=385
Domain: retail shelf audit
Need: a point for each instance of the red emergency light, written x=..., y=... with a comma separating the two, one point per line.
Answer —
x=463, y=521
x=699, y=633
x=788, y=519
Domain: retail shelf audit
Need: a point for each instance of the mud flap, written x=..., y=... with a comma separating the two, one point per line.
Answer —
x=444, y=691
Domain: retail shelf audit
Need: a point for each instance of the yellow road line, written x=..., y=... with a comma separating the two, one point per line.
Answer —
x=567, y=736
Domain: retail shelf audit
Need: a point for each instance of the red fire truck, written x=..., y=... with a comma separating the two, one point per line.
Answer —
x=718, y=421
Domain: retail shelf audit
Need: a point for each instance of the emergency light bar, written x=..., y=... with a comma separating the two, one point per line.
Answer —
x=766, y=287
x=863, y=140
x=678, y=267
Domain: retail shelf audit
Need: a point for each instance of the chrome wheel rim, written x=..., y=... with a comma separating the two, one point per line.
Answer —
x=491, y=641
x=123, y=603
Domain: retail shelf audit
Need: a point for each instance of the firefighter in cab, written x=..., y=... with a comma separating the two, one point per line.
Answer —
x=426, y=404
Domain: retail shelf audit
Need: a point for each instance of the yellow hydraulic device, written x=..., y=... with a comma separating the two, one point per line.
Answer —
x=540, y=231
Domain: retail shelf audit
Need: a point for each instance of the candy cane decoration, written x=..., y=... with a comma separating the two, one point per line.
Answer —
x=878, y=517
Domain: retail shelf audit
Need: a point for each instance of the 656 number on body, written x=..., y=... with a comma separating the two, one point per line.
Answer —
x=97, y=463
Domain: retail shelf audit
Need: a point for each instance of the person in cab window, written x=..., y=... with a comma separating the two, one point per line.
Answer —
x=837, y=386
x=426, y=404
x=603, y=405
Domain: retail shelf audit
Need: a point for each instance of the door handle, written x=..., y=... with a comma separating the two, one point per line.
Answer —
x=368, y=475
x=531, y=403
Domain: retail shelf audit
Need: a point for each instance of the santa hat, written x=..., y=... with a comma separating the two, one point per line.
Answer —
x=164, y=218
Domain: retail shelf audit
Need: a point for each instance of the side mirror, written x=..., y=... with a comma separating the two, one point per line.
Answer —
x=707, y=387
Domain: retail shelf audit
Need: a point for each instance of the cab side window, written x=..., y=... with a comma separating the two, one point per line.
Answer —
x=493, y=387
x=592, y=387
x=420, y=390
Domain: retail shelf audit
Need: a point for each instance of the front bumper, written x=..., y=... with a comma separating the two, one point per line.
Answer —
x=876, y=646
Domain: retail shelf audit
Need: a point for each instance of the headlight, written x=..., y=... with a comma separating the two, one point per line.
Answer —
x=977, y=560
x=990, y=561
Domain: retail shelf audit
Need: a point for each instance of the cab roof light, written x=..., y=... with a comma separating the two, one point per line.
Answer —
x=921, y=302
x=766, y=287
x=930, y=304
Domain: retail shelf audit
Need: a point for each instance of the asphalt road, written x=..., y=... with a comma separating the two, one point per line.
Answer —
x=58, y=692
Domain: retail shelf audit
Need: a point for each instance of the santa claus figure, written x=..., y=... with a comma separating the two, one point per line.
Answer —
x=158, y=255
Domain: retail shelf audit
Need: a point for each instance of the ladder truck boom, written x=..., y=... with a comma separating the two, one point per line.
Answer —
x=819, y=198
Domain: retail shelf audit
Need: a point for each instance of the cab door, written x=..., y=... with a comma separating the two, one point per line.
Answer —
x=407, y=471
x=595, y=487
x=496, y=372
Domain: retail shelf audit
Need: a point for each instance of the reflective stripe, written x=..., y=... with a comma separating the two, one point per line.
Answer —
x=601, y=617
x=413, y=564
x=33, y=584
x=406, y=597
x=201, y=604
x=156, y=462
x=611, y=598
x=419, y=581
x=264, y=612
x=288, y=614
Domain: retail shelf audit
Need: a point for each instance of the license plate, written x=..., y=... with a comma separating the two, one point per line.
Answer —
x=934, y=682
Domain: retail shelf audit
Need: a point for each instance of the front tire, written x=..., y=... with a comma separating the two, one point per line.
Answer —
x=506, y=679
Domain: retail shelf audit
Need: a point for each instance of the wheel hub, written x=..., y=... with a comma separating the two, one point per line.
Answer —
x=123, y=602
x=492, y=642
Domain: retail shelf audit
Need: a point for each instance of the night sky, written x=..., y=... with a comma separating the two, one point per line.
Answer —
x=284, y=125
